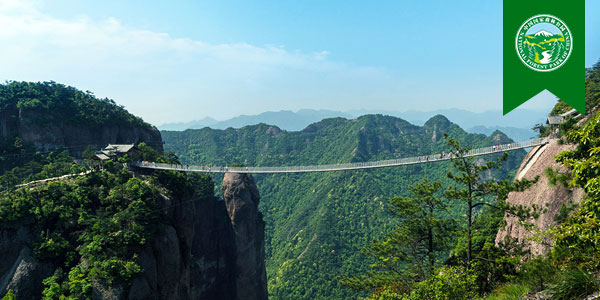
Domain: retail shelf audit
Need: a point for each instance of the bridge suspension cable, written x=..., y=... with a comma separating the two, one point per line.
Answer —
x=340, y=167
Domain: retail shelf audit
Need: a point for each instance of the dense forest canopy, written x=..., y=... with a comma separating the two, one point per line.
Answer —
x=316, y=224
x=504, y=271
x=56, y=102
x=95, y=226
x=56, y=106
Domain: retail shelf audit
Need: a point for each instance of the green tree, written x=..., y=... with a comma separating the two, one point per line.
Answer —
x=448, y=284
x=477, y=189
x=592, y=87
x=408, y=253
x=543, y=130
x=9, y=296
x=422, y=216
x=89, y=152
x=577, y=238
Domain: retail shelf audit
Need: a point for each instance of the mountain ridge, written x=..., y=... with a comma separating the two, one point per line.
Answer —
x=296, y=121
x=316, y=223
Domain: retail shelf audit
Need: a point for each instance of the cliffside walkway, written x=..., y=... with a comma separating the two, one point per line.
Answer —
x=340, y=167
x=41, y=181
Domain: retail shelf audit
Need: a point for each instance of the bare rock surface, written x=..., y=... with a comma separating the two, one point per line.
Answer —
x=19, y=270
x=26, y=125
x=207, y=249
x=241, y=199
x=541, y=194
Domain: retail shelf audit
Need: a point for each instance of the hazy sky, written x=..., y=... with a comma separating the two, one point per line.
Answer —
x=183, y=60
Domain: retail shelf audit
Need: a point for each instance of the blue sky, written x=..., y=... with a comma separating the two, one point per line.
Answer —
x=185, y=60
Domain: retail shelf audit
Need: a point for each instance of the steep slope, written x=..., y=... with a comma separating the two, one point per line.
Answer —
x=542, y=194
x=114, y=233
x=483, y=122
x=51, y=116
x=316, y=224
x=241, y=199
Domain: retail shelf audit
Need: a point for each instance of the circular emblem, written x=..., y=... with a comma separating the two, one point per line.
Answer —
x=544, y=43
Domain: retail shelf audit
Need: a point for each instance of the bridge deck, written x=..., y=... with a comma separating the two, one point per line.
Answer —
x=340, y=167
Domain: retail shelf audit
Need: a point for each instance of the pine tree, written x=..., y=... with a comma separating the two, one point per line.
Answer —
x=408, y=254
x=476, y=190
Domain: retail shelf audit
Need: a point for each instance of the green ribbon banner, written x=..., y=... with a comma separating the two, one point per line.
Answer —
x=544, y=48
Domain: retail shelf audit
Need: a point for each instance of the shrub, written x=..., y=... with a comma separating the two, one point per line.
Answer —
x=574, y=284
x=448, y=284
x=9, y=296
x=511, y=291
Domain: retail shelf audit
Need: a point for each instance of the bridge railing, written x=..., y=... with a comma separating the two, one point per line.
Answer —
x=342, y=166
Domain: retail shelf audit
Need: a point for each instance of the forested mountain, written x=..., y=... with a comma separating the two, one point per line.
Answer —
x=39, y=117
x=517, y=125
x=110, y=231
x=317, y=223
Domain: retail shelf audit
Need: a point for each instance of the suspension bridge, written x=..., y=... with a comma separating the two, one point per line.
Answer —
x=342, y=166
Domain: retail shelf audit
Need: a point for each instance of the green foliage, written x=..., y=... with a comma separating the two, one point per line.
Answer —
x=430, y=233
x=100, y=218
x=51, y=102
x=560, y=107
x=76, y=285
x=538, y=272
x=21, y=169
x=592, y=93
x=571, y=271
x=448, y=284
x=592, y=88
x=54, y=289
x=476, y=249
x=543, y=130
x=567, y=125
x=88, y=152
x=555, y=176
x=387, y=293
x=477, y=191
x=574, y=284
x=317, y=223
x=95, y=225
x=509, y=291
x=408, y=254
x=492, y=265
x=578, y=235
x=9, y=295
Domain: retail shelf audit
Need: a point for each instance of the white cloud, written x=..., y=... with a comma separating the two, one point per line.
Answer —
x=22, y=23
x=149, y=71
x=166, y=78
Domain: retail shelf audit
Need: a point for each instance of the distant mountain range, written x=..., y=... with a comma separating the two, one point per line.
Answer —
x=285, y=119
x=517, y=134
x=517, y=125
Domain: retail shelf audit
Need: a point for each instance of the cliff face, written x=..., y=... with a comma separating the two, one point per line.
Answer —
x=206, y=249
x=241, y=198
x=27, y=125
x=542, y=194
x=19, y=270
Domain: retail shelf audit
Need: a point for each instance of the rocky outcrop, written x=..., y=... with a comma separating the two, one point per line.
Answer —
x=542, y=194
x=193, y=257
x=207, y=249
x=19, y=270
x=26, y=124
x=241, y=199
